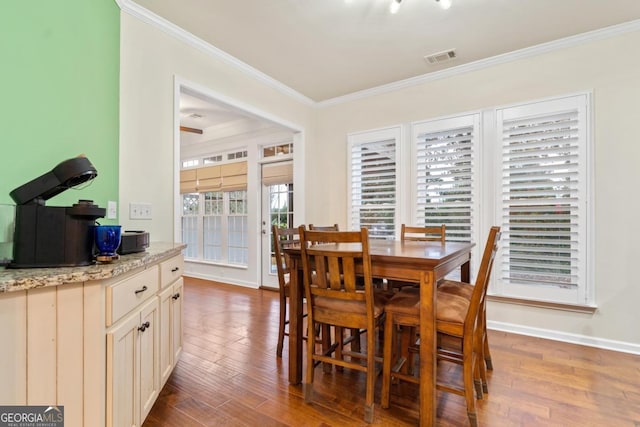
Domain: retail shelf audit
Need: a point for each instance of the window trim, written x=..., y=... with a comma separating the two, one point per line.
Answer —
x=224, y=226
x=369, y=136
x=439, y=124
x=584, y=295
x=488, y=192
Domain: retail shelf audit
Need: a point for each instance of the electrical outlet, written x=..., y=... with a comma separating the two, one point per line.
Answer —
x=140, y=211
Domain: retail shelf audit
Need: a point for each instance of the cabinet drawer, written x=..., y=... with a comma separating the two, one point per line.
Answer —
x=124, y=296
x=170, y=270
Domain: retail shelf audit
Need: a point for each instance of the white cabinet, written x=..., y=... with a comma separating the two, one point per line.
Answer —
x=170, y=328
x=144, y=339
x=102, y=346
x=133, y=370
x=176, y=319
x=170, y=298
x=166, y=359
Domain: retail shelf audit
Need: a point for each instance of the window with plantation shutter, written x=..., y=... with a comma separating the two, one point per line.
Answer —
x=372, y=181
x=445, y=175
x=543, y=200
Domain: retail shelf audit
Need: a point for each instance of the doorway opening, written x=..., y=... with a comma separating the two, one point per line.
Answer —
x=224, y=154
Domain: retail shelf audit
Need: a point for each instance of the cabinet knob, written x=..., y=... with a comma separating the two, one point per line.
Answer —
x=144, y=326
x=173, y=270
x=176, y=296
x=144, y=288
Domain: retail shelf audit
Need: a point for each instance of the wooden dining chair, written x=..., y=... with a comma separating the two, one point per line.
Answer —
x=329, y=260
x=283, y=238
x=354, y=336
x=465, y=290
x=423, y=234
x=417, y=234
x=458, y=318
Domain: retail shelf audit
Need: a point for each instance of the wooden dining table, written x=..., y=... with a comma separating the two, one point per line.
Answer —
x=419, y=262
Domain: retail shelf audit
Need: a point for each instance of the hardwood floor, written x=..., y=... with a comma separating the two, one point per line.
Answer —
x=229, y=375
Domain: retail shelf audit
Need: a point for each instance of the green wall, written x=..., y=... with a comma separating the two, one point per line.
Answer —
x=59, y=72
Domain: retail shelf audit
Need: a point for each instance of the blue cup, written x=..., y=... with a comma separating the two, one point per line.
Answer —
x=107, y=238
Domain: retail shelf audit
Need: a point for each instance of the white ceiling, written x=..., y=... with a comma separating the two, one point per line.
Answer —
x=328, y=48
x=219, y=123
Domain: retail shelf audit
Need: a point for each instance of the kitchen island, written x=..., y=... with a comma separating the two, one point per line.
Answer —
x=100, y=340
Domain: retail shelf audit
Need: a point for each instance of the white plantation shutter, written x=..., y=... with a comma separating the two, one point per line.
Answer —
x=373, y=179
x=445, y=174
x=543, y=199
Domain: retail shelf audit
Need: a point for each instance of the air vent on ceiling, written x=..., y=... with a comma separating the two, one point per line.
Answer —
x=195, y=116
x=439, y=57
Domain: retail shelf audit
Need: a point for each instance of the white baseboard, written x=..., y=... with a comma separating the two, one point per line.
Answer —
x=621, y=346
x=221, y=279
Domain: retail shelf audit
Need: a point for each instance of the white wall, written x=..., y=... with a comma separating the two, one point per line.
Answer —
x=611, y=69
x=150, y=60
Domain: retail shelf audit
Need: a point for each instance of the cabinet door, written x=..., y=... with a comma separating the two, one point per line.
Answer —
x=148, y=333
x=122, y=367
x=166, y=325
x=176, y=318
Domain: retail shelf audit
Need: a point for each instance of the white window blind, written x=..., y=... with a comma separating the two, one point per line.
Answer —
x=277, y=173
x=373, y=181
x=445, y=165
x=543, y=199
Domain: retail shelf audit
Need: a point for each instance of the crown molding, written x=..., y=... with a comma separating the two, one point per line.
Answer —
x=528, y=52
x=145, y=15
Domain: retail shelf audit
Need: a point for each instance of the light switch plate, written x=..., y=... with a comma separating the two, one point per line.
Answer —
x=139, y=210
x=112, y=209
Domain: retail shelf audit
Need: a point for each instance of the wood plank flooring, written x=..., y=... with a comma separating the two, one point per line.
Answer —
x=229, y=375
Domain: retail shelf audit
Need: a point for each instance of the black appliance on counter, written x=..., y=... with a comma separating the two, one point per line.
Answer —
x=133, y=241
x=52, y=236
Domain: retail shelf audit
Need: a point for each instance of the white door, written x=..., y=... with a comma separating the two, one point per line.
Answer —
x=277, y=208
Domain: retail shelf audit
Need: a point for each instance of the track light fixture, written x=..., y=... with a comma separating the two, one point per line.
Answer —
x=395, y=6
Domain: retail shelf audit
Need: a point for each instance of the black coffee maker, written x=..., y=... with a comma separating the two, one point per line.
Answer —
x=52, y=236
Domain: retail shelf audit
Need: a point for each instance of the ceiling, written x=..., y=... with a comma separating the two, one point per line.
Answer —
x=218, y=122
x=325, y=49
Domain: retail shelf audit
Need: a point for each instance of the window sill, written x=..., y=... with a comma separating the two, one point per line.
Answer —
x=587, y=309
x=216, y=264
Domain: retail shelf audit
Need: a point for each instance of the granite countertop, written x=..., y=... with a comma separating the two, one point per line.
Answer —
x=28, y=278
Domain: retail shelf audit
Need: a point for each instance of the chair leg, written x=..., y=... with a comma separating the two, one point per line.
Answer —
x=371, y=376
x=473, y=420
x=307, y=386
x=388, y=345
x=468, y=369
x=478, y=384
x=307, y=389
x=281, y=326
x=480, y=374
x=485, y=343
x=407, y=339
x=355, y=340
x=487, y=353
x=326, y=344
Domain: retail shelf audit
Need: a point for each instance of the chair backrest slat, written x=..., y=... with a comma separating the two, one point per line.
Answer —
x=333, y=227
x=423, y=234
